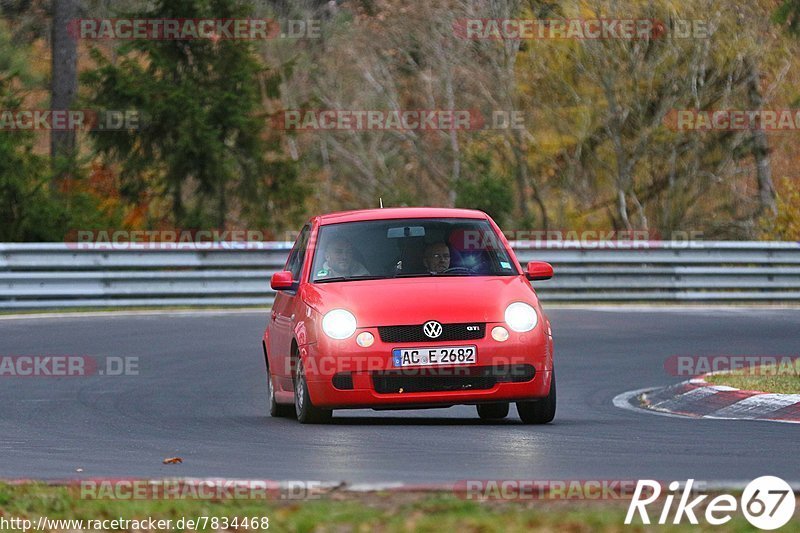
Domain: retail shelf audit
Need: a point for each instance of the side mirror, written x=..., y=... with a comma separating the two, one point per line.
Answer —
x=281, y=280
x=539, y=271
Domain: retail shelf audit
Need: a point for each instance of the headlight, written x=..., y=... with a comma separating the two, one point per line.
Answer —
x=521, y=317
x=339, y=324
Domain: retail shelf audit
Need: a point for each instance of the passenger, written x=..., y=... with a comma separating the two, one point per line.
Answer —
x=340, y=260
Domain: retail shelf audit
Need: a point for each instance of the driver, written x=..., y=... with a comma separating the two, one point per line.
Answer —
x=340, y=260
x=436, y=257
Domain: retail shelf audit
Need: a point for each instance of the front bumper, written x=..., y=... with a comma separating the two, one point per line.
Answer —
x=341, y=374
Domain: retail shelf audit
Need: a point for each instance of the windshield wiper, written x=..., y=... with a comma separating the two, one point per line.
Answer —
x=347, y=278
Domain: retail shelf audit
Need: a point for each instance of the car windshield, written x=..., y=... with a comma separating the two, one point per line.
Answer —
x=381, y=249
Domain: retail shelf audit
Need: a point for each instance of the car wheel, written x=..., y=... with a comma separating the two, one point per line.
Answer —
x=307, y=412
x=493, y=411
x=539, y=411
x=276, y=409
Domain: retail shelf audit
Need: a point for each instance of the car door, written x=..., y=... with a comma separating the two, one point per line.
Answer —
x=284, y=311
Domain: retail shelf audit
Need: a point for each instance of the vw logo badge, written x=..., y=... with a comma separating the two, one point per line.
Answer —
x=432, y=329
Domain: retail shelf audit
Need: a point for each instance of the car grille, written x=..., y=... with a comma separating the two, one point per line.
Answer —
x=450, y=332
x=343, y=381
x=448, y=379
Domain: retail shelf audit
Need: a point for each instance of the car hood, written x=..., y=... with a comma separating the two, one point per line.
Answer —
x=417, y=300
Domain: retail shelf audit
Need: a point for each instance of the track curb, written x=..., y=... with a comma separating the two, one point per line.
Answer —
x=697, y=398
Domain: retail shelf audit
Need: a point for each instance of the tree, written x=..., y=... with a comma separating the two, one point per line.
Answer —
x=603, y=108
x=27, y=209
x=64, y=76
x=201, y=142
x=481, y=188
x=786, y=225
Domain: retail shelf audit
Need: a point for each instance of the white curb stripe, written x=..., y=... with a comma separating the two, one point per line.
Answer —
x=674, y=404
x=758, y=405
x=722, y=388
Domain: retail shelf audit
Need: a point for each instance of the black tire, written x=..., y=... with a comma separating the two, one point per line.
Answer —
x=539, y=411
x=307, y=412
x=277, y=410
x=492, y=411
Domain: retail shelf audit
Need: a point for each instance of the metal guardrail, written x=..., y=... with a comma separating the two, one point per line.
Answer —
x=60, y=275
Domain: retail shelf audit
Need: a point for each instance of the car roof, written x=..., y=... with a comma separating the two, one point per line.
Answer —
x=390, y=213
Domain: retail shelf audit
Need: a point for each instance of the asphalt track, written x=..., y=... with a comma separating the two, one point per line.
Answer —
x=200, y=395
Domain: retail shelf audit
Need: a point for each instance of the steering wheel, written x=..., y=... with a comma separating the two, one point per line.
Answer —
x=463, y=270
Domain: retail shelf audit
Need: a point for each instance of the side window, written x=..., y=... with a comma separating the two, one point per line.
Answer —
x=298, y=253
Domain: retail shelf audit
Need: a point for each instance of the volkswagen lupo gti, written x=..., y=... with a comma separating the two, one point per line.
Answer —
x=408, y=308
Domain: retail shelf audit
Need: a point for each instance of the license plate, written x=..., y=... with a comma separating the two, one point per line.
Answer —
x=439, y=356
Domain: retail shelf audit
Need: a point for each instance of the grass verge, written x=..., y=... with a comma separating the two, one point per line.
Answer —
x=780, y=379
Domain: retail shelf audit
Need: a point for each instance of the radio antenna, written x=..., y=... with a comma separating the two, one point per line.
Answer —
x=381, y=202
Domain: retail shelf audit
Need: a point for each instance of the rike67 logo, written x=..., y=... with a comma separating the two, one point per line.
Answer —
x=767, y=502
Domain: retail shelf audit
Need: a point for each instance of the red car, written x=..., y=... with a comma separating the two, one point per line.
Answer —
x=408, y=308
